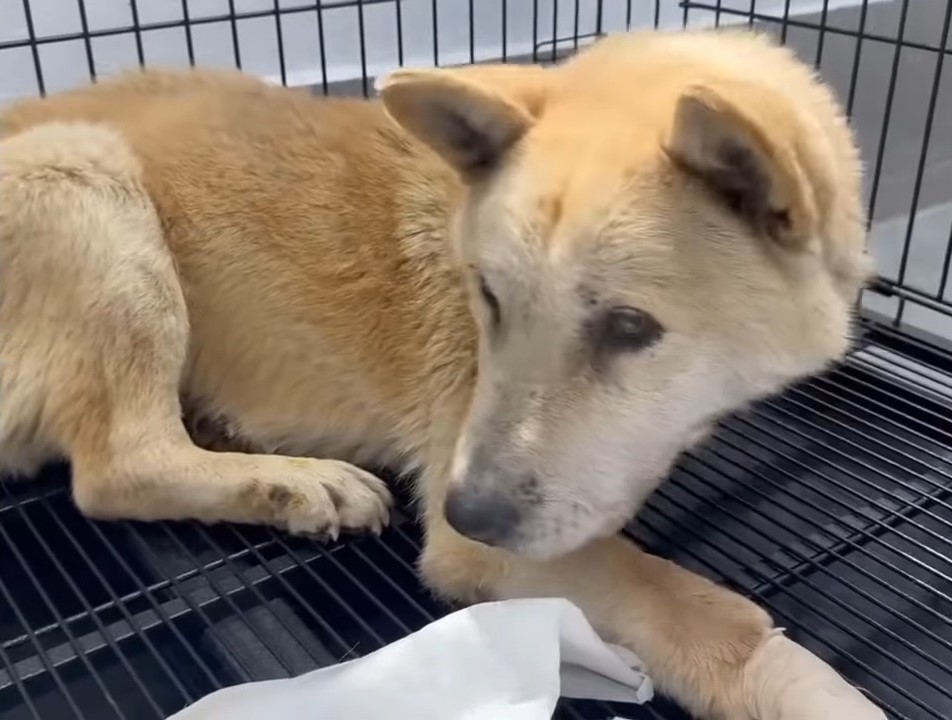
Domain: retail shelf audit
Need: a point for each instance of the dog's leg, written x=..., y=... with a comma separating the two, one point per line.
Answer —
x=715, y=652
x=93, y=339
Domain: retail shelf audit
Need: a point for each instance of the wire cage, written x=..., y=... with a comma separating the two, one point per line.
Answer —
x=830, y=505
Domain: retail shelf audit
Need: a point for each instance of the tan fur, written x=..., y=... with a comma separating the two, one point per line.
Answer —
x=302, y=276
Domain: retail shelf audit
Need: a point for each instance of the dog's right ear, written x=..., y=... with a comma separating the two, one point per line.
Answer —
x=471, y=117
x=743, y=141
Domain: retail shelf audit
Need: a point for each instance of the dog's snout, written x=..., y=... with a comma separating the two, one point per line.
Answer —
x=487, y=517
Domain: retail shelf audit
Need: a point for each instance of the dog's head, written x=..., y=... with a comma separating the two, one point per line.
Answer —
x=649, y=244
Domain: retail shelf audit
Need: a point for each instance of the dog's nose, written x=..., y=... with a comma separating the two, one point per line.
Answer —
x=487, y=517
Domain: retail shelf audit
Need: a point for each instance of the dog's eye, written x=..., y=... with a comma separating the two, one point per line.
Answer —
x=628, y=329
x=489, y=297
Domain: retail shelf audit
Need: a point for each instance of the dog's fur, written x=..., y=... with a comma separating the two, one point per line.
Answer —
x=534, y=287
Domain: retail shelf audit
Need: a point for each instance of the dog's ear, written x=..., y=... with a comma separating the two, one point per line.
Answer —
x=741, y=142
x=470, y=116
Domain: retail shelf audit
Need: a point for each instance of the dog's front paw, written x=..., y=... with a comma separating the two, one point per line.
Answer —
x=338, y=496
x=785, y=681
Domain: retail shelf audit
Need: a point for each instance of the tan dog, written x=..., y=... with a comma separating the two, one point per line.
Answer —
x=535, y=287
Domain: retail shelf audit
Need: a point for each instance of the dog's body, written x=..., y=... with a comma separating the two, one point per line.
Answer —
x=534, y=289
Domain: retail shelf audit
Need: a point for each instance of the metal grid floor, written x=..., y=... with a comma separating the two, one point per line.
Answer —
x=831, y=506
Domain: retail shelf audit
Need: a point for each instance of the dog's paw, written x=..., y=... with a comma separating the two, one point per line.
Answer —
x=338, y=497
x=785, y=681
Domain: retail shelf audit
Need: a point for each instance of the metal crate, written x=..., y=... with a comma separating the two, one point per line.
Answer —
x=830, y=505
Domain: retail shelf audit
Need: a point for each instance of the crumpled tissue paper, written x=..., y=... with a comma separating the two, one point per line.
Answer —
x=508, y=660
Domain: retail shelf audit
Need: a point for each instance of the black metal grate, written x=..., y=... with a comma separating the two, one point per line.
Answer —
x=830, y=505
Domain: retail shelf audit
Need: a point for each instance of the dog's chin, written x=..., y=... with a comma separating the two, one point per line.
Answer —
x=548, y=547
x=536, y=550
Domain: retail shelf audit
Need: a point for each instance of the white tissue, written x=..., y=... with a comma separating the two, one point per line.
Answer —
x=506, y=660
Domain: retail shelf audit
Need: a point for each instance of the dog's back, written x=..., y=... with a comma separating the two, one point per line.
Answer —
x=284, y=215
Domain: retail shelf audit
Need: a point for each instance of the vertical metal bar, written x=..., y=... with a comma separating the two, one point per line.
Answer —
x=599, y=17
x=555, y=30
x=232, y=16
x=505, y=31
x=398, y=6
x=752, y=13
x=436, y=39
x=854, y=75
x=189, y=41
x=657, y=14
x=628, y=14
x=279, y=36
x=821, y=37
x=472, y=34
x=320, y=38
x=87, y=40
x=535, y=30
x=34, y=48
x=362, y=44
x=575, y=30
x=233, y=22
x=718, y=7
x=137, y=30
x=785, y=22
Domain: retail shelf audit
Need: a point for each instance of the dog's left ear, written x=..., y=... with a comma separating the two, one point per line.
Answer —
x=743, y=143
x=470, y=116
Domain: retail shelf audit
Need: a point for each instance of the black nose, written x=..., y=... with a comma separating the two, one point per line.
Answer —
x=486, y=517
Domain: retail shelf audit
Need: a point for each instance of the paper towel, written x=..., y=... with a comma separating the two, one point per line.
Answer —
x=507, y=660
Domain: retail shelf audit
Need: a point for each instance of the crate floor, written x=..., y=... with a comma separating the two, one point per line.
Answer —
x=830, y=505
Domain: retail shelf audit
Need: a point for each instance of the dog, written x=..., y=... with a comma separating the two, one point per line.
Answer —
x=529, y=288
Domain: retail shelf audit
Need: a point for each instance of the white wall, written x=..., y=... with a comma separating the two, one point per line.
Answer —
x=65, y=65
